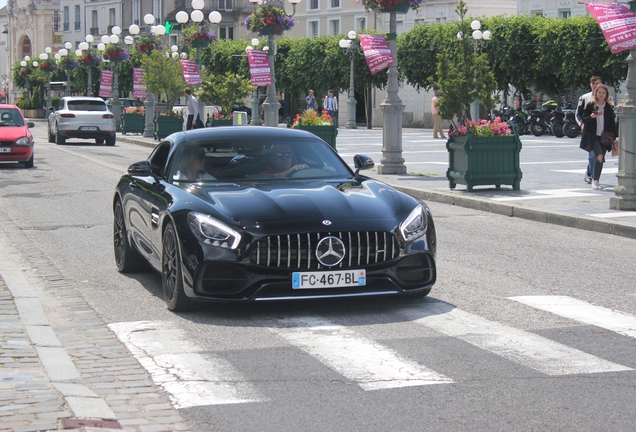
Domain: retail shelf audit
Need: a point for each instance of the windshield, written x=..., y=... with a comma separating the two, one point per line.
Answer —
x=86, y=105
x=10, y=117
x=225, y=161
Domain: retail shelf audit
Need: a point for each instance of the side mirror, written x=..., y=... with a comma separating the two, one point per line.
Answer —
x=51, y=108
x=142, y=168
x=361, y=162
x=30, y=125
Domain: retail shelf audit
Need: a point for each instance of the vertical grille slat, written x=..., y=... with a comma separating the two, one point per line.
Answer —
x=296, y=250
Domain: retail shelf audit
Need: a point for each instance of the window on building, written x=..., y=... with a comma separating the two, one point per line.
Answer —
x=536, y=13
x=334, y=4
x=361, y=23
x=67, y=18
x=226, y=5
x=314, y=5
x=565, y=13
x=440, y=20
x=111, y=17
x=94, y=23
x=334, y=26
x=136, y=12
x=313, y=28
x=78, y=17
x=226, y=33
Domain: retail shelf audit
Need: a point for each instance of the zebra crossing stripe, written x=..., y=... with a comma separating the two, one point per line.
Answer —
x=584, y=312
x=525, y=348
x=189, y=378
x=363, y=361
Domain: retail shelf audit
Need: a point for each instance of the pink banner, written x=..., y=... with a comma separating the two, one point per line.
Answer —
x=376, y=51
x=139, y=88
x=260, y=71
x=617, y=22
x=106, y=84
x=190, y=72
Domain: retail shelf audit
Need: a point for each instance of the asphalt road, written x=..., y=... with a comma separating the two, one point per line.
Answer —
x=529, y=327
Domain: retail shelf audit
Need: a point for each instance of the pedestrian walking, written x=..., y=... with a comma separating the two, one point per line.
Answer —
x=437, y=119
x=330, y=103
x=194, y=120
x=583, y=101
x=310, y=101
x=598, y=118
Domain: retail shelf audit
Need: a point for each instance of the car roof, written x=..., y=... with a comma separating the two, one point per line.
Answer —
x=83, y=98
x=228, y=132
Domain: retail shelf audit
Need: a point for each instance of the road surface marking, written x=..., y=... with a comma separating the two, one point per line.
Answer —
x=584, y=312
x=175, y=364
x=369, y=364
x=606, y=170
x=613, y=215
x=548, y=194
x=525, y=348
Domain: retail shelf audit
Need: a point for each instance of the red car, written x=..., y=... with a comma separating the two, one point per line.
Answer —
x=16, y=140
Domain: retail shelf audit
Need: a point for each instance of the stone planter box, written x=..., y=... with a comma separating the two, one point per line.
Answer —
x=269, y=30
x=478, y=161
x=166, y=125
x=327, y=133
x=133, y=123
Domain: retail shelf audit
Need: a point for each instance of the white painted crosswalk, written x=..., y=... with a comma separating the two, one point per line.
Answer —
x=193, y=377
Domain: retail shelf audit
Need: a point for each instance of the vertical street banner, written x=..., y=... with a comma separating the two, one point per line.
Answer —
x=190, y=72
x=617, y=22
x=106, y=84
x=260, y=71
x=139, y=88
x=376, y=52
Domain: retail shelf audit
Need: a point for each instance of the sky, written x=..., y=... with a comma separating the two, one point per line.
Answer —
x=3, y=3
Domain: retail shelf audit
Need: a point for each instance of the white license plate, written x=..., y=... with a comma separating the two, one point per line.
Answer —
x=329, y=279
x=5, y=149
x=88, y=128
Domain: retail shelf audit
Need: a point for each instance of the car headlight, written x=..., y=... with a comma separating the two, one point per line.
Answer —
x=22, y=141
x=213, y=232
x=414, y=225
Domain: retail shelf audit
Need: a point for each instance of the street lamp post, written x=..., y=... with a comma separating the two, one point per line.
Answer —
x=197, y=17
x=392, y=108
x=271, y=104
x=255, y=105
x=45, y=56
x=477, y=36
x=24, y=64
x=114, y=39
x=350, y=48
x=64, y=52
x=85, y=46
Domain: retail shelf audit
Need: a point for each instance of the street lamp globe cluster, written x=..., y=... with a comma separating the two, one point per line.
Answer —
x=477, y=36
x=350, y=47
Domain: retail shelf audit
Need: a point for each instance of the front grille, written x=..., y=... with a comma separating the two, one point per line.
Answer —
x=298, y=251
x=6, y=143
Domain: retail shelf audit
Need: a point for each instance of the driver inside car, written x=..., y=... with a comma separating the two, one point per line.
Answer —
x=281, y=162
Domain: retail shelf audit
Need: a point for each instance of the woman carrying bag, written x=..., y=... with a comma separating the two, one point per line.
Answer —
x=600, y=132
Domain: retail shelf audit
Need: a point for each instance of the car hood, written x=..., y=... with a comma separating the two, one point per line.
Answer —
x=13, y=133
x=262, y=203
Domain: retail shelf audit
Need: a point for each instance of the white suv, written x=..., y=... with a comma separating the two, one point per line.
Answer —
x=82, y=117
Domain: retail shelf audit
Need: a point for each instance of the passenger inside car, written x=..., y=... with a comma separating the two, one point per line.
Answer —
x=6, y=119
x=192, y=166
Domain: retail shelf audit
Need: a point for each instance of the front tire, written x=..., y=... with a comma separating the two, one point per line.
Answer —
x=537, y=129
x=127, y=258
x=557, y=129
x=29, y=163
x=171, y=273
x=571, y=129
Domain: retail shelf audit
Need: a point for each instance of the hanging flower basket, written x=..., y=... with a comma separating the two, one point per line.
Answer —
x=197, y=37
x=268, y=20
x=146, y=44
x=116, y=53
x=399, y=6
x=68, y=63
x=89, y=59
x=48, y=66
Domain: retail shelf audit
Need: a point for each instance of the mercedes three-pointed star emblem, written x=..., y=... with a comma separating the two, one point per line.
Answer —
x=330, y=251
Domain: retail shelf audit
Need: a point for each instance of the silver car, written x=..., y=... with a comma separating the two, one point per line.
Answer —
x=82, y=117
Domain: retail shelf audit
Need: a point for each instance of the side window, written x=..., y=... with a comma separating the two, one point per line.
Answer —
x=159, y=158
x=60, y=105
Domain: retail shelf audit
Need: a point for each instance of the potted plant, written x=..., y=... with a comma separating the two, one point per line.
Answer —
x=167, y=122
x=146, y=44
x=224, y=91
x=115, y=53
x=219, y=119
x=483, y=153
x=68, y=62
x=269, y=20
x=399, y=6
x=133, y=120
x=197, y=37
x=322, y=125
x=89, y=59
x=48, y=66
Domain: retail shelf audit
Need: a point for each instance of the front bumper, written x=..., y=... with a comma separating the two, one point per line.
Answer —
x=17, y=154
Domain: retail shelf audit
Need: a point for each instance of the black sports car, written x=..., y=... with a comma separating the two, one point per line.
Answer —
x=244, y=213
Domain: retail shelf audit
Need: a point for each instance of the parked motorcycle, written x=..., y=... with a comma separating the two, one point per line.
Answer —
x=571, y=127
x=539, y=120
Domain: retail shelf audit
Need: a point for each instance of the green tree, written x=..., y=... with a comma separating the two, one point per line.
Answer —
x=463, y=74
x=224, y=90
x=163, y=76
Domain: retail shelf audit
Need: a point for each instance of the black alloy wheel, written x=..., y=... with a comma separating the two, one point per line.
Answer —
x=557, y=129
x=171, y=276
x=537, y=129
x=127, y=258
x=571, y=129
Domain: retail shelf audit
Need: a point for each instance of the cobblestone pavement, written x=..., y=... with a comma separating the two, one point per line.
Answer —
x=61, y=368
